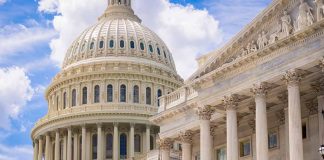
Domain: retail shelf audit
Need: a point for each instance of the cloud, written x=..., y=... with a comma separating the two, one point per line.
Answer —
x=15, y=92
x=3, y=2
x=16, y=152
x=186, y=30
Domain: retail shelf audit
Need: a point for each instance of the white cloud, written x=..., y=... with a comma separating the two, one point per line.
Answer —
x=16, y=152
x=15, y=92
x=186, y=30
x=2, y=1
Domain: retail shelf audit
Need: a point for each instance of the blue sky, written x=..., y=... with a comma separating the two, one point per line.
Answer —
x=26, y=32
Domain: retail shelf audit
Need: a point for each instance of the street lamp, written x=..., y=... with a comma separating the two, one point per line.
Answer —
x=321, y=150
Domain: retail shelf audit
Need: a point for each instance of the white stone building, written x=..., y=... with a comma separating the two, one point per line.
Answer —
x=260, y=97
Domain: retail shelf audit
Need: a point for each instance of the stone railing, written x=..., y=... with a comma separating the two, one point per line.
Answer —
x=177, y=97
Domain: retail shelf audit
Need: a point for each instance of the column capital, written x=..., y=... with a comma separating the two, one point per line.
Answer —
x=99, y=125
x=312, y=107
x=132, y=124
x=186, y=136
x=205, y=112
x=318, y=86
x=115, y=124
x=165, y=144
x=230, y=102
x=259, y=90
x=292, y=77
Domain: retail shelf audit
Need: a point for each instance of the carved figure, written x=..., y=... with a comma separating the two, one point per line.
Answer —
x=248, y=47
x=319, y=9
x=310, y=19
x=276, y=34
x=254, y=47
x=265, y=40
x=260, y=42
x=304, y=11
x=286, y=24
x=244, y=52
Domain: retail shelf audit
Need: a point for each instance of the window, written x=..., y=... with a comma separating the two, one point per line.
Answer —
x=165, y=56
x=64, y=100
x=151, y=48
x=148, y=96
x=123, y=93
x=136, y=94
x=159, y=94
x=123, y=146
x=158, y=51
x=304, y=130
x=73, y=98
x=94, y=146
x=142, y=46
x=97, y=94
x=110, y=92
x=137, y=143
x=197, y=156
x=273, y=140
x=122, y=44
x=101, y=44
x=132, y=44
x=91, y=45
x=111, y=44
x=109, y=146
x=151, y=142
x=57, y=102
x=245, y=148
x=221, y=154
x=84, y=95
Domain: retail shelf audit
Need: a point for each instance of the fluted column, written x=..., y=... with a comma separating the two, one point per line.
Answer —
x=186, y=141
x=165, y=145
x=115, y=143
x=47, y=146
x=294, y=115
x=204, y=114
x=148, y=134
x=69, y=144
x=100, y=149
x=35, y=149
x=261, y=122
x=84, y=137
x=40, y=148
x=64, y=147
x=131, y=145
x=57, y=145
x=75, y=146
x=230, y=103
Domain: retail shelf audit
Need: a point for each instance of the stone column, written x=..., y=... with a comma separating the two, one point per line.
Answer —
x=204, y=114
x=230, y=103
x=294, y=115
x=186, y=141
x=57, y=145
x=40, y=149
x=261, y=121
x=35, y=149
x=47, y=146
x=64, y=148
x=115, y=142
x=165, y=145
x=75, y=146
x=131, y=138
x=148, y=133
x=99, y=144
x=69, y=144
x=84, y=137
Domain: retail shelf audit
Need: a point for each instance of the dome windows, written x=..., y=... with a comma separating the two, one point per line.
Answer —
x=132, y=44
x=122, y=44
x=110, y=93
x=151, y=48
x=111, y=44
x=158, y=51
x=165, y=56
x=142, y=46
x=97, y=94
x=101, y=44
x=84, y=95
x=122, y=93
x=91, y=45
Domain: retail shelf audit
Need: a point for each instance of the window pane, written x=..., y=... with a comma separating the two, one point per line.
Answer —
x=84, y=95
x=142, y=46
x=109, y=146
x=273, y=140
x=151, y=48
x=73, y=97
x=97, y=94
x=159, y=94
x=132, y=44
x=221, y=154
x=158, y=51
x=101, y=44
x=123, y=146
x=109, y=93
x=64, y=100
x=94, y=146
x=136, y=94
x=122, y=44
x=122, y=93
x=148, y=95
x=111, y=43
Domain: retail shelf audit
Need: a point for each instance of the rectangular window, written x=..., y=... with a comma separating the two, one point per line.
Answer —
x=221, y=154
x=304, y=130
x=197, y=157
x=273, y=140
x=245, y=148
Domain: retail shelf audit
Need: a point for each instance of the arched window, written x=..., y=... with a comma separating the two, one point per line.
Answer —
x=101, y=44
x=97, y=94
x=110, y=93
x=137, y=143
x=123, y=93
x=122, y=44
x=109, y=146
x=151, y=142
x=91, y=45
x=142, y=46
x=84, y=95
x=151, y=48
x=136, y=94
x=158, y=51
x=73, y=98
x=148, y=96
x=64, y=100
x=111, y=44
x=159, y=94
x=123, y=146
x=132, y=44
x=94, y=146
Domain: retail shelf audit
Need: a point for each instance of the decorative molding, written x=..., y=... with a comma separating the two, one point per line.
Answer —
x=205, y=112
x=312, y=107
x=186, y=137
x=318, y=86
x=260, y=90
x=230, y=102
x=165, y=144
x=292, y=77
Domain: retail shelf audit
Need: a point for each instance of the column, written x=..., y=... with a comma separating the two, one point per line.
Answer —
x=261, y=131
x=57, y=145
x=40, y=148
x=100, y=149
x=84, y=137
x=115, y=143
x=165, y=145
x=64, y=147
x=148, y=134
x=35, y=149
x=47, y=146
x=75, y=146
x=204, y=114
x=131, y=138
x=230, y=103
x=186, y=141
x=69, y=144
x=294, y=116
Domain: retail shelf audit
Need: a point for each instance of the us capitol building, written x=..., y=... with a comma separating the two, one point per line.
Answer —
x=259, y=97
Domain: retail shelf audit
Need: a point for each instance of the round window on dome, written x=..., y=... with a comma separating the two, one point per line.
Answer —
x=151, y=48
x=101, y=44
x=111, y=44
x=158, y=51
x=132, y=44
x=122, y=44
x=142, y=46
x=91, y=45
